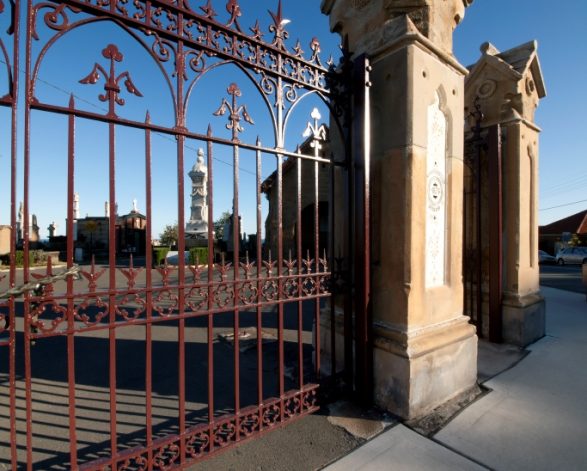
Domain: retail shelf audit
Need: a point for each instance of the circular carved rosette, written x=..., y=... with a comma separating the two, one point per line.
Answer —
x=224, y=433
x=198, y=444
x=249, y=424
x=91, y=310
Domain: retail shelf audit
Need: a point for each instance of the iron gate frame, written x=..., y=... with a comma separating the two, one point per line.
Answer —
x=276, y=71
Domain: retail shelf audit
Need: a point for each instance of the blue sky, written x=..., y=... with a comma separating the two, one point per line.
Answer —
x=506, y=23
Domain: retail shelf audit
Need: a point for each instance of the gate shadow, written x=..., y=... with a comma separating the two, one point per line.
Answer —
x=50, y=392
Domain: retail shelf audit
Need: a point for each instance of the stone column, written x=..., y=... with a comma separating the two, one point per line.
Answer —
x=425, y=350
x=508, y=87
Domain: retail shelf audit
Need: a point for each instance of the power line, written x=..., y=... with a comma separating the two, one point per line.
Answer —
x=563, y=205
x=161, y=135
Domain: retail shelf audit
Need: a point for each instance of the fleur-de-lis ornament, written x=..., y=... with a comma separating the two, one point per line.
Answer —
x=316, y=131
x=278, y=27
x=235, y=112
x=112, y=81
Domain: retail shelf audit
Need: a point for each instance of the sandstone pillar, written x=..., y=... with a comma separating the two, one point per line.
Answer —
x=507, y=86
x=425, y=350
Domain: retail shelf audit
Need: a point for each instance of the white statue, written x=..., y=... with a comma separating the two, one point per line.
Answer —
x=197, y=226
x=134, y=206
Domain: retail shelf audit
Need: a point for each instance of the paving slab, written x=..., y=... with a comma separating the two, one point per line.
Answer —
x=403, y=449
x=535, y=418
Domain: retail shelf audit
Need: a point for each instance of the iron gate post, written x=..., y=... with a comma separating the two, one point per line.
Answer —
x=361, y=185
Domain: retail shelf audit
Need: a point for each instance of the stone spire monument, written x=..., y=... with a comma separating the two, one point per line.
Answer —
x=197, y=226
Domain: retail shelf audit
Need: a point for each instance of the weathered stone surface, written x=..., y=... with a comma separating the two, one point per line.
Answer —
x=507, y=86
x=435, y=19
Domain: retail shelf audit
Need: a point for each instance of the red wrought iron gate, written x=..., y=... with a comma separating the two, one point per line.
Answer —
x=228, y=346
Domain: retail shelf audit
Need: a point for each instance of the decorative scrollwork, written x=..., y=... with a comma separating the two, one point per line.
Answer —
x=249, y=424
x=56, y=18
x=224, y=433
x=234, y=9
x=198, y=444
x=138, y=463
x=235, y=112
x=309, y=399
x=271, y=414
x=166, y=456
x=292, y=406
x=278, y=28
x=112, y=81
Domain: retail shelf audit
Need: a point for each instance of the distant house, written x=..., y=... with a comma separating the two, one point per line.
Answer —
x=558, y=234
x=289, y=205
x=131, y=230
x=5, y=234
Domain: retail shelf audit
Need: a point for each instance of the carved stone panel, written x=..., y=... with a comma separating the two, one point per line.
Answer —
x=436, y=196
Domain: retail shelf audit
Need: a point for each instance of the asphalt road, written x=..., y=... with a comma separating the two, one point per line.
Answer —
x=566, y=277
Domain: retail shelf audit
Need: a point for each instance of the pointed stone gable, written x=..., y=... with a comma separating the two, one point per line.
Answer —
x=507, y=84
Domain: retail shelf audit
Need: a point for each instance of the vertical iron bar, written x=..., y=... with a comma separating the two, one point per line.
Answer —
x=25, y=235
x=236, y=268
x=149, y=295
x=362, y=190
x=479, y=240
x=317, y=260
x=70, y=289
x=259, y=288
x=112, y=287
x=299, y=265
x=12, y=274
x=180, y=123
x=180, y=290
x=280, y=368
x=210, y=289
x=331, y=258
x=495, y=233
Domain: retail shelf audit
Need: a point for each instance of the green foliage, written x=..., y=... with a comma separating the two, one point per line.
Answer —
x=159, y=254
x=201, y=253
x=219, y=224
x=169, y=236
x=36, y=257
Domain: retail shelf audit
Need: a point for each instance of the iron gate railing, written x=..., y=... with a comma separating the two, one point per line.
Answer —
x=482, y=227
x=70, y=348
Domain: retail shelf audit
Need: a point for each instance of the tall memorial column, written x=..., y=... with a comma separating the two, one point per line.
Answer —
x=507, y=88
x=425, y=350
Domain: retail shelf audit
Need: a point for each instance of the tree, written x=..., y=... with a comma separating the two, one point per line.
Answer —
x=169, y=236
x=220, y=222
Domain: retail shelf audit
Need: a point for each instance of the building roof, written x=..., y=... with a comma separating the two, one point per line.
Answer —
x=575, y=224
x=305, y=149
x=518, y=60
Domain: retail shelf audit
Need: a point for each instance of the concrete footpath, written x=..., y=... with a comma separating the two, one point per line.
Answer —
x=534, y=417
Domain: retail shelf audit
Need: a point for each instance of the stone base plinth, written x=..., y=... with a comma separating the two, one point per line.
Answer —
x=417, y=372
x=195, y=242
x=524, y=319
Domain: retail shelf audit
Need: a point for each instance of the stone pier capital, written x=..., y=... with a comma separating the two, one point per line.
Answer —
x=435, y=19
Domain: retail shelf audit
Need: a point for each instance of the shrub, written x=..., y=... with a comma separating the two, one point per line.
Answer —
x=201, y=253
x=159, y=254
